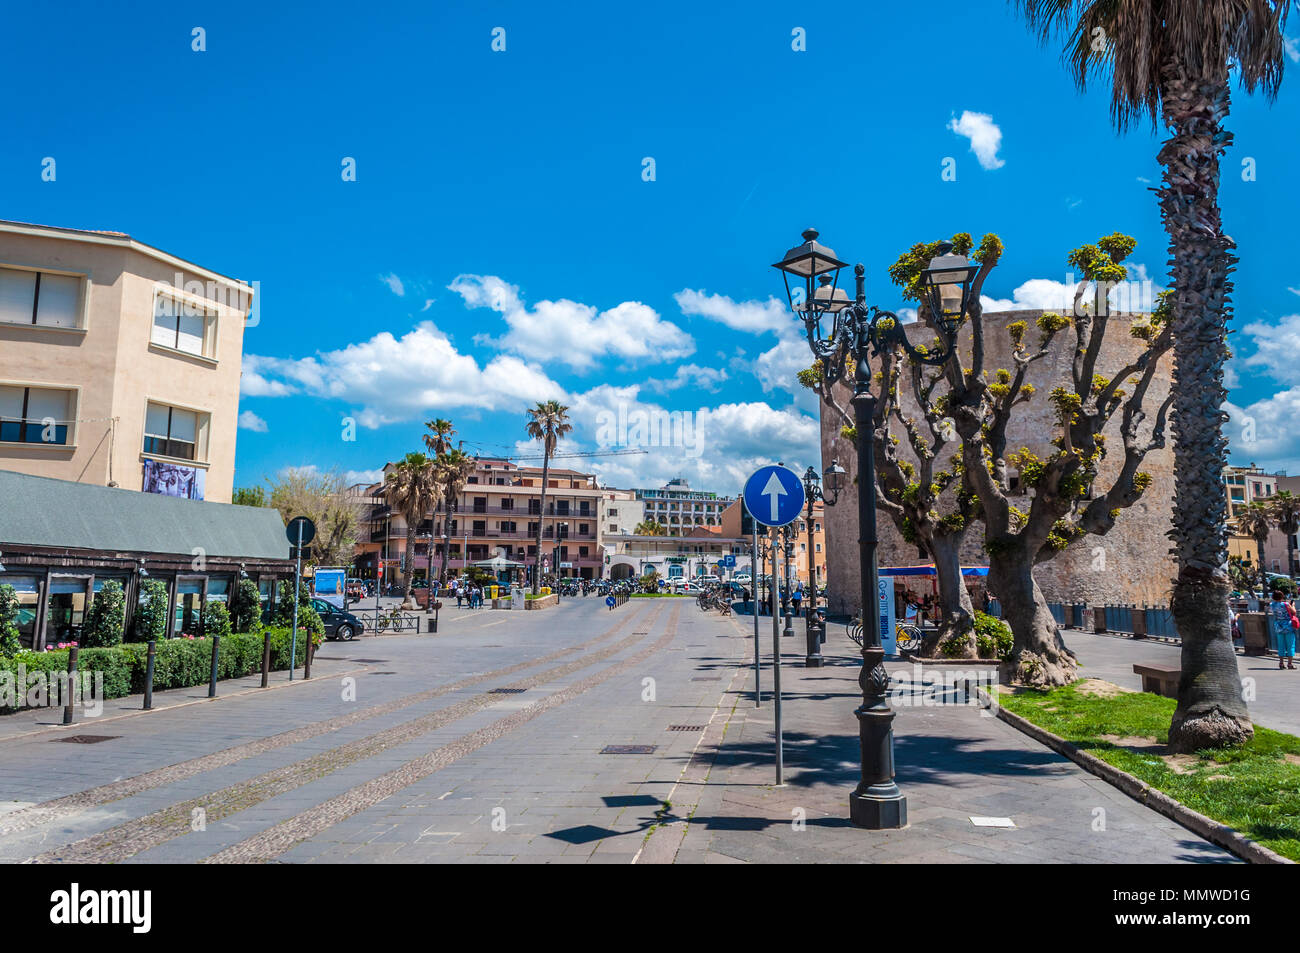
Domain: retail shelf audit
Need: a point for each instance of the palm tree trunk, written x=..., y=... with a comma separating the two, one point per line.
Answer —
x=407, y=601
x=1263, y=570
x=537, y=559
x=1210, y=710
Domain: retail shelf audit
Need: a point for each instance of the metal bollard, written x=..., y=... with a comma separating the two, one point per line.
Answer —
x=72, y=675
x=266, y=657
x=212, y=678
x=306, y=668
x=148, y=674
x=813, y=658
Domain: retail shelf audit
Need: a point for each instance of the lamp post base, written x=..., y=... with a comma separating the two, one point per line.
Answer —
x=876, y=813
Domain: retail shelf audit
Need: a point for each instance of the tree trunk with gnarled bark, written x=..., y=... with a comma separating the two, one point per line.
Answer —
x=1039, y=658
x=958, y=619
x=1210, y=712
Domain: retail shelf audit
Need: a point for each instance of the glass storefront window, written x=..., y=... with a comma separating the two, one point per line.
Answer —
x=66, y=610
x=189, y=603
x=28, y=590
x=218, y=588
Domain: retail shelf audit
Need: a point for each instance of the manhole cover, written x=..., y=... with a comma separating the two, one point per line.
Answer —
x=507, y=691
x=685, y=727
x=628, y=749
x=88, y=739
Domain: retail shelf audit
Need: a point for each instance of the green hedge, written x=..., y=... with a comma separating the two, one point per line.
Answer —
x=178, y=663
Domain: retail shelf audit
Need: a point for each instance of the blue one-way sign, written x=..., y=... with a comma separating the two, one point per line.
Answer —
x=774, y=495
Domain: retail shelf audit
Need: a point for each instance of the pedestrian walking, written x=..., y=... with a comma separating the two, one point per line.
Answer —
x=1285, y=623
x=460, y=593
x=797, y=597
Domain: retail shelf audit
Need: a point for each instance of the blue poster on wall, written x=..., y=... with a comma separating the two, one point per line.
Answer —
x=172, y=479
x=888, y=637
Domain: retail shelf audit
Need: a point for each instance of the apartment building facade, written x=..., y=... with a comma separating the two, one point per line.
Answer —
x=497, y=514
x=678, y=508
x=621, y=511
x=1244, y=486
x=809, y=554
x=119, y=363
x=692, y=555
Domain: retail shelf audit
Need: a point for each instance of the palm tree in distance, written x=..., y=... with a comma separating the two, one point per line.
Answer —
x=649, y=528
x=438, y=440
x=1256, y=521
x=452, y=469
x=550, y=422
x=412, y=489
x=1169, y=60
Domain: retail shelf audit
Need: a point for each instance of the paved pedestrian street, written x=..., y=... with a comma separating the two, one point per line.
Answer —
x=572, y=735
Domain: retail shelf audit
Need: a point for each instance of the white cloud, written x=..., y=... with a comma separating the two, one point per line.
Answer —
x=394, y=283
x=1263, y=432
x=570, y=332
x=393, y=379
x=984, y=135
x=1292, y=46
x=363, y=476
x=1275, y=348
x=1137, y=294
x=705, y=378
x=250, y=421
x=754, y=317
x=719, y=445
x=253, y=383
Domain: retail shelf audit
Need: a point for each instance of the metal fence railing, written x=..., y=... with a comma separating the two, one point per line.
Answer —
x=1125, y=619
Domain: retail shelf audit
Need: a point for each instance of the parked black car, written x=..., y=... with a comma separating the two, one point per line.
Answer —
x=338, y=623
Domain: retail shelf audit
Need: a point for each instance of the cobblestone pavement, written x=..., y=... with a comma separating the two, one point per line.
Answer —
x=491, y=742
x=1276, y=701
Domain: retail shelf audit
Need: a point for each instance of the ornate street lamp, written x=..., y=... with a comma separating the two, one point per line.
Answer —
x=859, y=331
x=812, y=491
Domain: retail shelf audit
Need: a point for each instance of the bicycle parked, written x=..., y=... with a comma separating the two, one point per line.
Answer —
x=907, y=634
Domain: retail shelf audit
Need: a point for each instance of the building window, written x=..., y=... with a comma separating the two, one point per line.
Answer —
x=35, y=415
x=38, y=298
x=171, y=432
x=182, y=326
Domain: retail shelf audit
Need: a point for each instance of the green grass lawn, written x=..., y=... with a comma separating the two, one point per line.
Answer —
x=660, y=595
x=1253, y=788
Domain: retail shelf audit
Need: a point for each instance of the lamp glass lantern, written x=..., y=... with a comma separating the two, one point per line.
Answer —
x=834, y=479
x=805, y=263
x=947, y=282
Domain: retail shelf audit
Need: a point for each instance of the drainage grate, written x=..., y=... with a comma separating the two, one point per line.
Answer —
x=685, y=727
x=507, y=691
x=383, y=673
x=708, y=678
x=88, y=739
x=628, y=749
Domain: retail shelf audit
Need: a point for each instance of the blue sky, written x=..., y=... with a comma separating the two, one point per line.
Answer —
x=500, y=244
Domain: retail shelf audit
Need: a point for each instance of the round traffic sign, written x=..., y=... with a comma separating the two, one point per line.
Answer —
x=300, y=525
x=774, y=495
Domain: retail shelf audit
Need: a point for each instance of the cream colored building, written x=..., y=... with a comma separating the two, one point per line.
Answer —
x=119, y=363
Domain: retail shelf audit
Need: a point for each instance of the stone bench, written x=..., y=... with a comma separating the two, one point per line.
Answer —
x=1159, y=678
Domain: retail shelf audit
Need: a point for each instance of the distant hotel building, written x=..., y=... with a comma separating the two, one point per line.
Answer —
x=679, y=509
x=496, y=514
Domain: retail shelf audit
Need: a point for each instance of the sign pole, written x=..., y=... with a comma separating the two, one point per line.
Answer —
x=297, y=573
x=776, y=667
x=753, y=582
